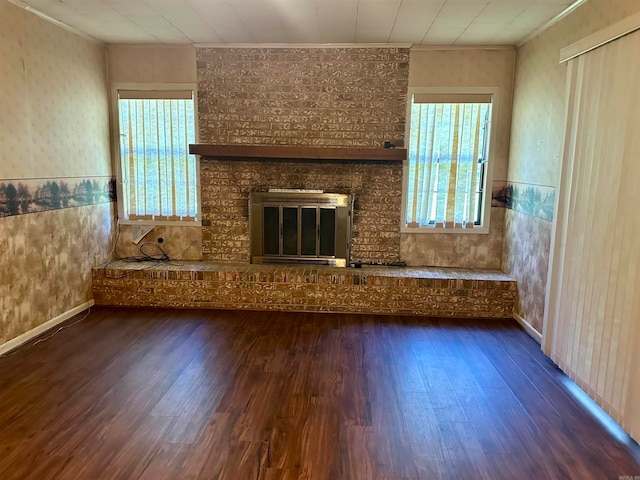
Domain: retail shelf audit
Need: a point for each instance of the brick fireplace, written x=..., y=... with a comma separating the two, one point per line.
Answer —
x=299, y=97
x=227, y=182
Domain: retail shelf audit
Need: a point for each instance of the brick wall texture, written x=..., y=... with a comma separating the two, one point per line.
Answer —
x=378, y=290
x=334, y=97
x=225, y=187
x=325, y=97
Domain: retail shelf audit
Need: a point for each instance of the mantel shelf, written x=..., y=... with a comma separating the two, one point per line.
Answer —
x=258, y=152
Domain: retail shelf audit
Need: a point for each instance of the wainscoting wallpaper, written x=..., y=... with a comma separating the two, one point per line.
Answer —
x=22, y=196
x=529, y=211
x=525, y=256
x=46, y=263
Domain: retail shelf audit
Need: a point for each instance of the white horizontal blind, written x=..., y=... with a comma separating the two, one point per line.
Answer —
x=159, y=175
x=447, y=146
x=593, y=312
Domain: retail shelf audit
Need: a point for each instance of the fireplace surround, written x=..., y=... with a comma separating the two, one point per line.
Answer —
x=229, y=174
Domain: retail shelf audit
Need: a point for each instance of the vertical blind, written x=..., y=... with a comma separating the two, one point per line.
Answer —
x=159, y=175
x=447, y=149
x=592, y=323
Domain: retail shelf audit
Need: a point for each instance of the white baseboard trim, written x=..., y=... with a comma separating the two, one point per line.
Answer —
x=533, y=333
x=40, y=329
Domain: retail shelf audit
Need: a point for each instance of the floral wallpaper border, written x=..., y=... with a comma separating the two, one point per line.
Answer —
x=30, y=195
x=535, y=200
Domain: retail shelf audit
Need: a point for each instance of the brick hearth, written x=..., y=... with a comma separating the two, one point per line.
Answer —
x=385, y=290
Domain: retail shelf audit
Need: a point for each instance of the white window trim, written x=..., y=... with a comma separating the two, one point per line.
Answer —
x=115, y=147
x=486, y=204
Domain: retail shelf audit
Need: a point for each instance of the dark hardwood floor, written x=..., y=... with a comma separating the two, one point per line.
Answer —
x=184, y=394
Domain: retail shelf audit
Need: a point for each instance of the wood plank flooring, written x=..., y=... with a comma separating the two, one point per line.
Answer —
x=184, y=394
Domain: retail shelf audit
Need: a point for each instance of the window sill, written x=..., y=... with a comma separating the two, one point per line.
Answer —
x=167, y=223
x=446, y=230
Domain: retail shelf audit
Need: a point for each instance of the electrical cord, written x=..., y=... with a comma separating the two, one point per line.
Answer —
x=21, y=348
x=150, y=258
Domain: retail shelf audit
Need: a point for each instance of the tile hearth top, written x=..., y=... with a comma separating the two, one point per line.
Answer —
x=376, y=271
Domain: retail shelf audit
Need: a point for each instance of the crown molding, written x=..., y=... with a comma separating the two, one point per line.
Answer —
x=551, y=22
x=50, y=19
x=429, y=48
x=302, y=45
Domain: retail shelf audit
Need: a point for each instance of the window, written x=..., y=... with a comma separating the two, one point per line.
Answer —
x=159, y=177
x=448, y=155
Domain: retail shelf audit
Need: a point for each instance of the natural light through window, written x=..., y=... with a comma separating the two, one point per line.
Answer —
x=159, y=177
x=447, y=160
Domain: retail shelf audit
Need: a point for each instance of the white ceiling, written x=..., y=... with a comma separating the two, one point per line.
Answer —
x=417, y=22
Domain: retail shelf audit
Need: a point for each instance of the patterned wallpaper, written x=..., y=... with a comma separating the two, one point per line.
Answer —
x=54, y=103
x=151, y=63
x=46, y=263
x=526, y=257
x=538, y=114
x=54, y=156
x=537, y=135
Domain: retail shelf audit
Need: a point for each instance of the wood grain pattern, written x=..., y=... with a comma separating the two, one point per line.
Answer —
x=257, y=152
x=183, y=394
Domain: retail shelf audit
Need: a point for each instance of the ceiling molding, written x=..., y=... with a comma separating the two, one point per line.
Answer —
x=601, y=37
x=302, y=45
x=58, y=23
x=551, y=22
x=421, y=48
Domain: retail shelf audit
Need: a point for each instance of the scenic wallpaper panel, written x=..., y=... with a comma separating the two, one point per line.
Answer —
x=22, y=196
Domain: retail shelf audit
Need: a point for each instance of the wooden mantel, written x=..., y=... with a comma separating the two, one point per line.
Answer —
x=314, y=153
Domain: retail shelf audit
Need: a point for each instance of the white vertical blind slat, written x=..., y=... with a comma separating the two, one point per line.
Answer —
x=155, y=160
x=593, y=311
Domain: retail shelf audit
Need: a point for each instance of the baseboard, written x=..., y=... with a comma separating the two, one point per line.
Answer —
x=533, y=333
x=40, y=329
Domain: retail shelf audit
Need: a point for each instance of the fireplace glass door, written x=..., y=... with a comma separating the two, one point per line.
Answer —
x=300, y=228
x=299, y=231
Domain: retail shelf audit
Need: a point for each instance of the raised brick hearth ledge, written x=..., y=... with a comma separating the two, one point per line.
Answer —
x=441, y=292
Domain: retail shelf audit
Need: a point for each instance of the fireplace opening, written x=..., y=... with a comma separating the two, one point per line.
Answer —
x=300, y=226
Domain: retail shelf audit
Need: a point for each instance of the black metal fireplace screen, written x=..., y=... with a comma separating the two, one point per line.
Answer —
x=300, y=226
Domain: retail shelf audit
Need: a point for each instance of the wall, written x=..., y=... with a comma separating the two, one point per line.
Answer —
x=56, y=201
x=323, y=97
x=326, y=97
x=155, y=64
x=537, y=135
x=466, y=68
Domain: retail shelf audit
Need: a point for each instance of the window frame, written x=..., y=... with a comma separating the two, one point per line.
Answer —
x=117, y=161
x=485, y=215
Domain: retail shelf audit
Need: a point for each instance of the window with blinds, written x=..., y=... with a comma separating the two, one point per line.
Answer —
x=447, y=160
x=159, y=177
